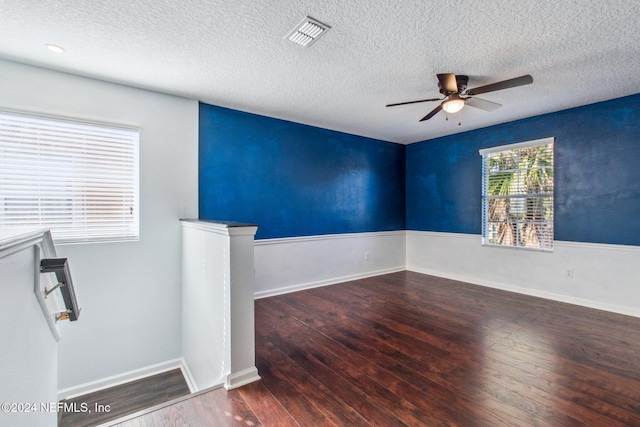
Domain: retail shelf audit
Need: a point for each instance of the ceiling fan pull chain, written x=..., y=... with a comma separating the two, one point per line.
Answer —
x=459, y=121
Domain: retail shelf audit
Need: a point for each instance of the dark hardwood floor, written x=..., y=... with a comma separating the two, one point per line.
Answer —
x=410, y=349
x=114, y=402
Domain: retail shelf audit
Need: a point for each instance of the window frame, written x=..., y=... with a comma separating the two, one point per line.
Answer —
x=96, y=163
x=546, y=244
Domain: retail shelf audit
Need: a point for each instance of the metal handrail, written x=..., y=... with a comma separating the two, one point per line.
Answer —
x=60, y=267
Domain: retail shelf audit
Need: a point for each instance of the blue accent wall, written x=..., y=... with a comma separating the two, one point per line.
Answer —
x=597, y=173
x=297, y=180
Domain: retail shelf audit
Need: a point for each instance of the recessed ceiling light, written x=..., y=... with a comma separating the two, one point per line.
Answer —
x=54, y=48
x=307, y=31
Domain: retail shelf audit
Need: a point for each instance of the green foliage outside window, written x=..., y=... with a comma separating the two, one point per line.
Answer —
x=518, y=197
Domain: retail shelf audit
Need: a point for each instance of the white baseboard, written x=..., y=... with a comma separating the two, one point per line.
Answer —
x=244, y=377
x=187, y=376
x=599, y=276
x=126, y=377
x=332, y=281
x=531, y=292
x=297, y=263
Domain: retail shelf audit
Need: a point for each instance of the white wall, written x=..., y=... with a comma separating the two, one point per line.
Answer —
x=604, y=276
x=29, y=356
x=129, y=292
x=291, y=264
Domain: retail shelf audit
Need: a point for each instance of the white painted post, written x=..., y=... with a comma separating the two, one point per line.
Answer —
x=218, y=338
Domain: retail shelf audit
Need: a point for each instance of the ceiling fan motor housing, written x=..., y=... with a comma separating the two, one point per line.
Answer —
x=461, y=82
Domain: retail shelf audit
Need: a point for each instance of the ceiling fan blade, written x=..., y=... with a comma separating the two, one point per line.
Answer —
x=432, y=113
x=483, y=104
x=448, y=82
x=414, y=102
x=505, y=84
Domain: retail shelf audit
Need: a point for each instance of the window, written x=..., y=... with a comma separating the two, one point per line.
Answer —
x=517, y=195
x=78, y=179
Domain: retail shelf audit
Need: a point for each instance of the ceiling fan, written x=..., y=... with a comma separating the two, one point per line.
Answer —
x=456, y=95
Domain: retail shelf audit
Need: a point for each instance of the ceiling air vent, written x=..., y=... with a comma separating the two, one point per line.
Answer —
x=308, y=31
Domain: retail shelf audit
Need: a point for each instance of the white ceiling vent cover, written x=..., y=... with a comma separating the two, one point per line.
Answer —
x=307, y=31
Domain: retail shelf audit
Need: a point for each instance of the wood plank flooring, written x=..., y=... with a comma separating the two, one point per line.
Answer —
x=410, y=349
x=115, y=402
x=215, y=408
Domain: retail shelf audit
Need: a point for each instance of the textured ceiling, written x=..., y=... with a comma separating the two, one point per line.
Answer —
x=233, y=53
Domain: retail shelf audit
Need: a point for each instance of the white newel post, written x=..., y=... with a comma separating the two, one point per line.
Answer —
x=218, y=337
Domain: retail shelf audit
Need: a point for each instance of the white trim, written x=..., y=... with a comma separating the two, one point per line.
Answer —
x=322, y=237
x=159, y=406
x=15, y=240
x=517, y=145
x=447, y=235
x=244, y=377
x=554, y=261
x=531, y=292
x=291, y=264
x=186, y=373
x=605, y=246
x=320, y=283
x=136, y=374
x=220, y=227
x=69, y=119
x=556, y=243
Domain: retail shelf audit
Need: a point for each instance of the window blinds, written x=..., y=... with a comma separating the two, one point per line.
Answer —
x=517, y=195
x=78, y=179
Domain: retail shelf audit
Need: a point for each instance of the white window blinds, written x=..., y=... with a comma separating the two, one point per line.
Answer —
x=78, y=179
x=517, y=195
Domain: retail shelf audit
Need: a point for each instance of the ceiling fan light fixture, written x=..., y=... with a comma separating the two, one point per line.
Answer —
x=453, y=104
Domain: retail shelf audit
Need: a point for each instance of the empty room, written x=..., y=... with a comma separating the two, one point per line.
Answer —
x=320, y=213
